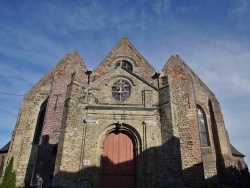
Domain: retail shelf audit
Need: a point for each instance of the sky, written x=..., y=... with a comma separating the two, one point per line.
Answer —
x=211, y=36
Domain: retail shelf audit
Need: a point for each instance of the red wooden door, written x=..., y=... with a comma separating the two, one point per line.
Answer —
x=118, y=162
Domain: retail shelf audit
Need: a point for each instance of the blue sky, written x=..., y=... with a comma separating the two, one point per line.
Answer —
x=212, y=37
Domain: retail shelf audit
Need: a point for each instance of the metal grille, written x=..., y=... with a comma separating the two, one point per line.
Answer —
x=121, y=90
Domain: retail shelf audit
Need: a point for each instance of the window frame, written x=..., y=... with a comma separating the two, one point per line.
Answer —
x=203, y=127
x=124, y=64
x=40, y=122
x=124, y=86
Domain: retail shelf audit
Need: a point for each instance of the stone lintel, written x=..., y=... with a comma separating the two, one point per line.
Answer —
x=128, y=108
x=91, y=121
x=149, y=122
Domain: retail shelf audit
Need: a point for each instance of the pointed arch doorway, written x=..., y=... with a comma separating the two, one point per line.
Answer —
x=118, y=161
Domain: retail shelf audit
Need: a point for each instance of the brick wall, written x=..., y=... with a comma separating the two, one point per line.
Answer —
x=30, y=158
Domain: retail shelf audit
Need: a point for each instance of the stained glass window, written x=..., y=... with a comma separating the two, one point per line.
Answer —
x=121, y=90
x=202, y=127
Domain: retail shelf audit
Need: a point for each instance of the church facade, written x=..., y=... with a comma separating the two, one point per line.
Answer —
x=124, y=125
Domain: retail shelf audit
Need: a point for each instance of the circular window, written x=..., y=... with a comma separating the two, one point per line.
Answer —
x=121, y=90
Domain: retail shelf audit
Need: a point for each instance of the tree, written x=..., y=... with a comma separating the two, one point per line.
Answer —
x=9, y=178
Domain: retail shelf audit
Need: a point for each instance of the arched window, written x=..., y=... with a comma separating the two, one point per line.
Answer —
x=124, y=64
x=40, y=121
x=202, y=127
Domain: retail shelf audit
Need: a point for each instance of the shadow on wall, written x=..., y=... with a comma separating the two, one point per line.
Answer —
x=41, y=161
x=156, y=167
x=2, y=158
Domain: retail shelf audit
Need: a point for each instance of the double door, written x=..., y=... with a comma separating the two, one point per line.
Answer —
x=118, y=161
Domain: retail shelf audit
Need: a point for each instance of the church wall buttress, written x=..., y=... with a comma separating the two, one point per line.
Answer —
x=171, y=170
x=70, y=149
x=52, y=131
x=185, y=97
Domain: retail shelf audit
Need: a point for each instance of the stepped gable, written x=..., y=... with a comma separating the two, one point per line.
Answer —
x=125, y=51
x=72, y=59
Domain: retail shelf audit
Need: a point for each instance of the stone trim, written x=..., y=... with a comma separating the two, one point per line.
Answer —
x=91, y=121
x=119, y=108
x=149, y=122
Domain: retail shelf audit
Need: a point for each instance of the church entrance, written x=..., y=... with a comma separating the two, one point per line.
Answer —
x=118, y=161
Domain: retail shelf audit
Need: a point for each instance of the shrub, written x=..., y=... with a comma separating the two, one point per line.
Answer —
x=9, y=178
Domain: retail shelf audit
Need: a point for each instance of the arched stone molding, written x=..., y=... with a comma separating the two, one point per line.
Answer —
x=136, y=138
x=119, y=126
x=126, y=58
x=205, y=108
x=126, y=77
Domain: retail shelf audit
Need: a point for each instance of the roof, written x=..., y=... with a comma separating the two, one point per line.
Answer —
x=236, y=152
x=5, y=148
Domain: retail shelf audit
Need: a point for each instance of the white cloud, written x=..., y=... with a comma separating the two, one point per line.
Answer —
x=14, y=78
x=161, y=7
x=240, y=83
x=242, y=7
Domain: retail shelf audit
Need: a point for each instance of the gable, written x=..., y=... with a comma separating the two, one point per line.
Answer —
x=126, y=52
x=107, y=90
x=67, y=65
x=181, y=73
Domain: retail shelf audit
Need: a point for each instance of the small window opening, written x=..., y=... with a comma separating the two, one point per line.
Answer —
x=164, y=80
x=125, y=64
